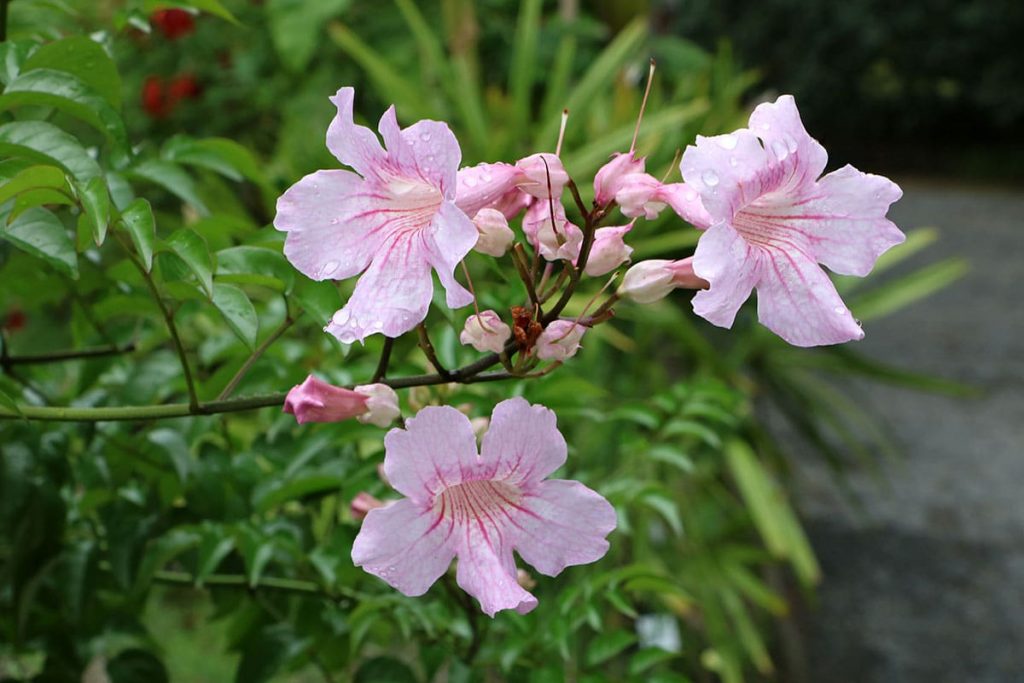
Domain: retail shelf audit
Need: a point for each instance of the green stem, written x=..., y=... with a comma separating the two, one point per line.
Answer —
x=239, y=581
x=68, y=354
x=253, y=357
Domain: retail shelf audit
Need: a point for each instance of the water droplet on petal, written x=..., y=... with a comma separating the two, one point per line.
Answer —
x=425, y=137
x=471, y=182
x=765, y=125
x=334, y=221
x=709, y=177
x=840, y=310
x=733, y=162
x=727, y=141
x=328, y=268
x=691, y=195
x=487, y=177
x=790, y=143
x=780, y=149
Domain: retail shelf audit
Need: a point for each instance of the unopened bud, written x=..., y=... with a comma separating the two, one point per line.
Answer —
x=485, y=332
x=495, y=235
x=317, y=401
x=538, y=169
x=609, y=250
x=362, y=504
x=524, y=580
x=381, y=405
x=610, y=177
x=560, y=340
x=649, y=281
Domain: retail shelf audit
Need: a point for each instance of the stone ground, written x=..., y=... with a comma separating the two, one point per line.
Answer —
x=925, y=582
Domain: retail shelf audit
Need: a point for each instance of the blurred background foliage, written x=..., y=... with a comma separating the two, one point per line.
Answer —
x=142, y=150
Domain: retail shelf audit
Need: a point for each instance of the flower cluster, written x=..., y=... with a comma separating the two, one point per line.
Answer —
x=769, y=221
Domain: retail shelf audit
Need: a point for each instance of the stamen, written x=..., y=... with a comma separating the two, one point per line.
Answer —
x=672, y=166
x=561, y=132
x=643, y=106
x=551, y=207
x=472, y=291
x=587, y=306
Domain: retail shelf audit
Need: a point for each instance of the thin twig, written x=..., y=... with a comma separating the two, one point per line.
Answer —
x=519, y=259
x=255, y=356
x=385, y=359
x=431, y=354
x=68, y=354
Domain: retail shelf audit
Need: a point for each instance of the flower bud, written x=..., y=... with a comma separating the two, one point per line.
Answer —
x=485, y=332
x=610, y=177
x=649, y=281
x=524, y=579
x=638, y=196
x=381, y=405
x=363, y=503
x=495, y=235
x=560, y=340
x=556, y=240
x=537, y=169
x=485, y=186
x=609, y=250
x=317, y=401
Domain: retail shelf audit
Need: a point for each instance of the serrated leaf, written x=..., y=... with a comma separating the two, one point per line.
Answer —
x=68, y=93
x=46, y=143
x=172, y=178
x=84, y=58
x=138, y=220
x=607, y=645
x=40, y=233
x=96, y=202
x=34, y=178
x=238, y=311
x=191, y=248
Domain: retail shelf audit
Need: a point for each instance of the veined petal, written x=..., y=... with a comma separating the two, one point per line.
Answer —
x=436, y=450
x=485, y=186
x=452, y=235
x=353, y=145
x=406, y=544
x=523, y=443
x=328, y=216
x=392, y=296
x=559, y=523
x=844, y=218
x=729, y=171
x=797, y=301
x=788, y=143
x=686, y=202
x=487, y=571
x=728, y=263
x=437, y=153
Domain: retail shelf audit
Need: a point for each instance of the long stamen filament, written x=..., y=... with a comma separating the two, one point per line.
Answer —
x=643, y=106
x=561, y=132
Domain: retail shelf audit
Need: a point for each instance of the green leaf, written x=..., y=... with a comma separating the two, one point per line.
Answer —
x=381, y=669
x=320, y=299
x=296, y=26
x=278, y=492
x=900, y=293
x=68, y=93
x=9, y=404
x=214, y=7
x=96, y=202
x=214, y=546
x=158, y=553
x=257, y=552
x=172, y=178
x=524, y=62
x=175, y=447
x=136, y=666
x=12, y=56
x=667, y=508
x=40, y=233
x=34, y=178
x=266, y=652
x=138, y=220
x=238, y=311
x=607, y=645
x=647, y=657
x=84, y=58
x=221, y=155
x=255, y=266
x=44, y=142
x=192, y=249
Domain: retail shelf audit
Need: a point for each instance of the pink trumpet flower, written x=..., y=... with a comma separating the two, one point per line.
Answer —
x=480, y=507
x=392, y=221
x=318, y=401
x=773, y=220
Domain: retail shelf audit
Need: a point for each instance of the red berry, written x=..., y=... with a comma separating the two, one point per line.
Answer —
x=154, y=99
x=15, y=321
x=173, y=23
x=183, y=87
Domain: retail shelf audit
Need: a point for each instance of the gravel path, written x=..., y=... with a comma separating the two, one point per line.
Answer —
x=925, y=583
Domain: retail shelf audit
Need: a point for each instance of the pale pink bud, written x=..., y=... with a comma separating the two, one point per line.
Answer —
x=537, y=173
x=638, y=196
x=485, y=332
x=495, y=235
x=649, y=281
x=609, y=250
x=560, y=340
x=317, y=401
x=381, y=404
x=363, y=503
x=556, y=240
x=524, y=579
x=610, y=177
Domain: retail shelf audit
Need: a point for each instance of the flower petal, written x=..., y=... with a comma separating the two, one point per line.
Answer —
x=437, y=153
x=487, y=571
x=686, y=202
x=797, y=301
x=559, y=523
x=730, y=266
x=729, y=171
x=437, y=449
x=353, y=145
x=523, y=444
x=405, y=544
x=844, y=218
x=328, y=218
x=452, y=235
x=392, y=296
x=485, y=186
x=787, y=142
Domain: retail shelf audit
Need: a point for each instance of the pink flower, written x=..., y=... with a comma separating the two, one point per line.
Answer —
x=558, y=239
x=610, y=177
x=317, y=401
x=773, y=221
x=381, y=404
x=481, y=508
x=560, y=340
x=609, y=250
x=363, y=503
x=624, y=181
x=495, y=235
x=393, y=221
x=485, y=332
x=649, y=281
